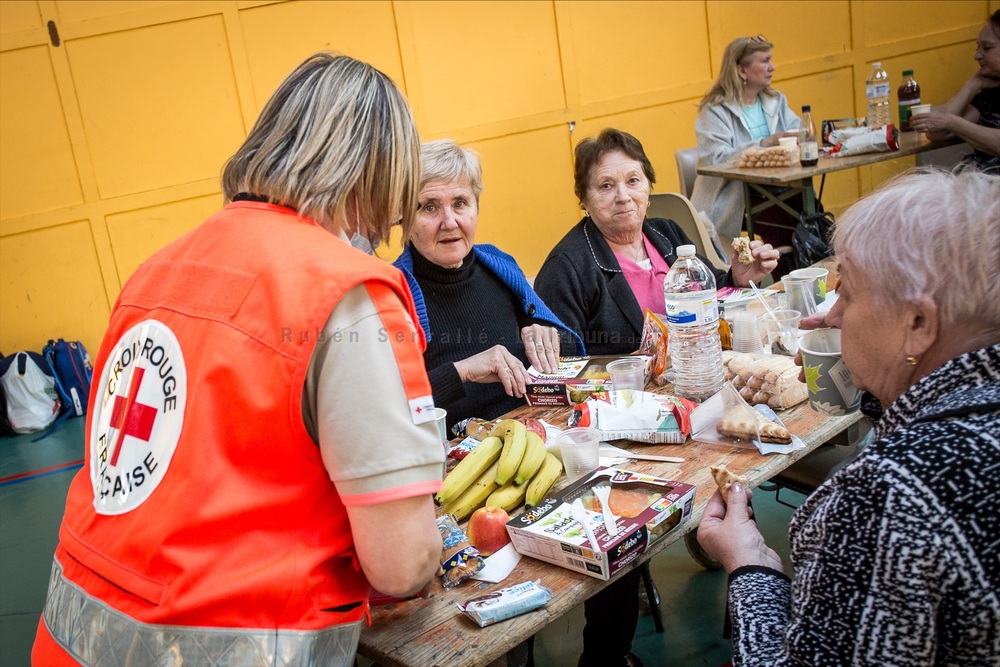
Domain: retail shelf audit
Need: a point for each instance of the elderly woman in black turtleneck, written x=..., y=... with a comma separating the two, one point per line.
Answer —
x=483, y=321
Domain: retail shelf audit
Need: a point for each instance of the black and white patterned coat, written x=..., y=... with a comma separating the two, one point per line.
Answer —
x=896, y=558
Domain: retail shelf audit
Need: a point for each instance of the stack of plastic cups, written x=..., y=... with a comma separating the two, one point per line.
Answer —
x=746, y=333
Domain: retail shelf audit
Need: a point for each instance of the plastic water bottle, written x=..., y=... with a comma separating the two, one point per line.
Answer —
x=878, y=91
x=909, y=97
x=693, y=327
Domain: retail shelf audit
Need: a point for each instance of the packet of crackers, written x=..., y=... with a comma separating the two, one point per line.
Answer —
x=459, y=559
x=654, y=344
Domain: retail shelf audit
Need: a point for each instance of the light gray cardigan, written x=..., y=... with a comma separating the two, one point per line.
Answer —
x=722, y=136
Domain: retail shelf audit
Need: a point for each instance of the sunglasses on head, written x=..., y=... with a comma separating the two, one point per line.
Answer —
x=759, y=39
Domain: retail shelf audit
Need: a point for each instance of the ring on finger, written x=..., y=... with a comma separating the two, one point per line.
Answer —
x=539, y=344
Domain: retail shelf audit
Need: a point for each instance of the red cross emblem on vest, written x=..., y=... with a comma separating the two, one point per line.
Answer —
x=130, y=417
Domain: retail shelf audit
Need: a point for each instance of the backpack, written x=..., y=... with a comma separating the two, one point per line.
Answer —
x=32, y=400
x=811, y=238
x=73, y=373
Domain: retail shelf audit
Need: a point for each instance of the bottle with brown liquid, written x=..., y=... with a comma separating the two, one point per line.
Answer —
x=808, y=147
x=909, y=97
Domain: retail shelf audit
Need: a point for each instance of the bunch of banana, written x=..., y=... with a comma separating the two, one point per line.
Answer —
x=543, y=480
x=484, y=455
x=475, y=495
x=515, y=441
x=508, y=496
x=534, y=454
x=509, y=467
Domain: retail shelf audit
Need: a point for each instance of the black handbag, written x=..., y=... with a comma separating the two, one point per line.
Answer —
x=811, y=238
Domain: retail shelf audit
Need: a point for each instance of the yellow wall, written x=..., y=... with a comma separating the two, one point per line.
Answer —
x=112, y=140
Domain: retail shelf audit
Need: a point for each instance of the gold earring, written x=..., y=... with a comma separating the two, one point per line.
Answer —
x=911, y=361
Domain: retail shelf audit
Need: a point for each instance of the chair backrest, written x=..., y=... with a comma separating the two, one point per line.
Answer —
x=687, y=165
x=678, y=208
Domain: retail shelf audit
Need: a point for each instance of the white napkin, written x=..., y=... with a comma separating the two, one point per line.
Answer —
x=499, y=565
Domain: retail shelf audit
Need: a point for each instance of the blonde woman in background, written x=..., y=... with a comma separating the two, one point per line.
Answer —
x=255, y=462
x=740, y=111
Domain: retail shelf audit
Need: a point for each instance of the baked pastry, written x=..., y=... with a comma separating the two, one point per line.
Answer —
x=724, y=478
x=738, y=423
x=773, y=379
x=741, y=245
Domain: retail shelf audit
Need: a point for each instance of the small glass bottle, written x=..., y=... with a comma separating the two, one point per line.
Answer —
x=909, y=97
x=808, y=146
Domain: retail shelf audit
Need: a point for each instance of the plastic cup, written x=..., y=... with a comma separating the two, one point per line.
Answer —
x=628, y=374
x=919, y=109
x=783, y=332
x=800, y=294
x=440, y=420
x=819, y=278
x=828, y=379
x=580, y=451
x=746, y=333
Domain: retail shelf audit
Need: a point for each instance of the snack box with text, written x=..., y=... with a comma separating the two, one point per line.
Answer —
x=647, y=508
x=576, y=379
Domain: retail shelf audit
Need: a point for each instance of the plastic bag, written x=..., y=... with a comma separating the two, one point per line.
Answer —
x=765, y=379
x=32, y=402
x=811, y=238
x=655, y=344
x=727, y=404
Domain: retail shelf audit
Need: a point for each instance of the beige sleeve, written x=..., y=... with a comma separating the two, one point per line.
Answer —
x=354, y=404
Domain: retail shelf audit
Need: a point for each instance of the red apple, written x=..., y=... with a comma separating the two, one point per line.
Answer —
x=488, y=530
x=534, y=425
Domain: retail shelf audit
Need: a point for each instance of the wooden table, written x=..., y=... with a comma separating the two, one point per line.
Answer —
x=431, y=631
x=798, y=179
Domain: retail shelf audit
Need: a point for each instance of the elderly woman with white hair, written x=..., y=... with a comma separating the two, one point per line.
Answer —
x=896, y=558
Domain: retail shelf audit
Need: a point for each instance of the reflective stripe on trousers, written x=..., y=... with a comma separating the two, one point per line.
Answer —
x=97, y=635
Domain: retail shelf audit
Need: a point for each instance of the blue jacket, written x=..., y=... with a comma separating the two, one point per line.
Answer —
x=506, y=269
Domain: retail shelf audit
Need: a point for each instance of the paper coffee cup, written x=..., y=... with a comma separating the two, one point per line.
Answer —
x=828, y=379
x=819, y=278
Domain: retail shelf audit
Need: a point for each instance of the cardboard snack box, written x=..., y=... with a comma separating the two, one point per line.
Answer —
x=576, y=379
x=549, y=532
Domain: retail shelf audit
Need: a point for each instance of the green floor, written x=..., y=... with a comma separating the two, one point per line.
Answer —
x=30, y=511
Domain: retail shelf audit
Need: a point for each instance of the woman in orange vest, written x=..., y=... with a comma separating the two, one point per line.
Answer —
x=261, y=451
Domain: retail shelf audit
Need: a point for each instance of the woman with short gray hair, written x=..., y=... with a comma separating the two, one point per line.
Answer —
x=896, y=559
x=484, y=323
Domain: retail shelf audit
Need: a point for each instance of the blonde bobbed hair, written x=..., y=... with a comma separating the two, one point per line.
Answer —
x=728, y=86
x=337, y=143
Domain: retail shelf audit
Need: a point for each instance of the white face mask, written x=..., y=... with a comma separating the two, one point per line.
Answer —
x=362, y=243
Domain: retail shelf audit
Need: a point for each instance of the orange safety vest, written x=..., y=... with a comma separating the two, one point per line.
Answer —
x=203, y=502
